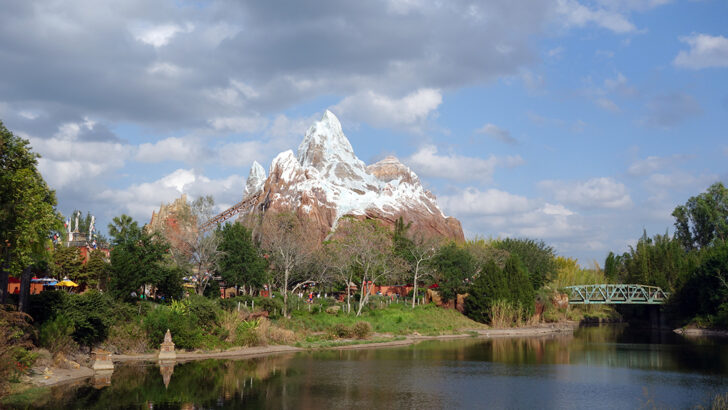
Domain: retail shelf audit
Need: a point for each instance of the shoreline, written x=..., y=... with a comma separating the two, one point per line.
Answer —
x=57, y=376
x=695, y=332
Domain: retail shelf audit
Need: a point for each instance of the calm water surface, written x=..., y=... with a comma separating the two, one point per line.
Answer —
x=597, y=367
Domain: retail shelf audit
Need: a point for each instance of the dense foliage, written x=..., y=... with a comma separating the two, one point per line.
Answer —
x=537, y=257
x=27, y=213
x=454, y=268
x=140, y=259
x=692, y=264
x=511, y=285
x=241, y=262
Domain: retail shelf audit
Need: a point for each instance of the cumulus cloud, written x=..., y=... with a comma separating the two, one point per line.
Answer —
x=139, y=200
x=429, y=163
x=75, y=154
x=172, y=148
x=410, y=111
x=500, y=213
x=158, y=35
x=497, y=133
x=705, y=51
x=239, y=124
x=593, y=193
x=579, y=15
x=472, y=201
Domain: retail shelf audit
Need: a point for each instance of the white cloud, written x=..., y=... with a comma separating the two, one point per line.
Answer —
x=158, y=35
x=164, y=68
x=593, y=193
x=498, y=133
x=472, y=201
x=139, y=200
x=240, y=154
x=575, y=14
x=705, y=51
x=170, y=149
x=653, y=163
x=427, y=162
x=240, y=124
x=67, y=159
x=410, y=111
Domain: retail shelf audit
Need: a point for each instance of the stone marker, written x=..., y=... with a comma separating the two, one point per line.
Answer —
x=166, y=349
x=102, y=360
x=166, y=368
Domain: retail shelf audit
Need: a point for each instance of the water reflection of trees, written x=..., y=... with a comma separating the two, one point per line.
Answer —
x=407, y=376
x=208, y=382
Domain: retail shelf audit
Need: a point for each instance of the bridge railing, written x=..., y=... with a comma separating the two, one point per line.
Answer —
x=616, y=294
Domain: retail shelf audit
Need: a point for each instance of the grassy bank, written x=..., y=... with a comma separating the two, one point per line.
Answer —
x=395, y=319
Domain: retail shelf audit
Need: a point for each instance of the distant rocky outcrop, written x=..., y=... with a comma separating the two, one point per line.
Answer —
x=325, y=181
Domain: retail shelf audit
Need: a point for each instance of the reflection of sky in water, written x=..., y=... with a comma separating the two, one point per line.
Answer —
x=594, y=368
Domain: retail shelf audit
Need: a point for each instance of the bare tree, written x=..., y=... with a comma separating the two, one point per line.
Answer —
x=338, y=261
x=368, y=247
x=422, y=249
x=192, y=249
x=289, y=247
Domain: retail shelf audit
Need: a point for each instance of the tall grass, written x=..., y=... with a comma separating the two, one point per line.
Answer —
x=504, y=314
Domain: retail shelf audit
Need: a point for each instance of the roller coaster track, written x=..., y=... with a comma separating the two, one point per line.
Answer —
x=223, y=216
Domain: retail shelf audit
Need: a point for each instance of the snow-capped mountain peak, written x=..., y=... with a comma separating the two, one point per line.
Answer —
x=255, y=180
x=327, y=181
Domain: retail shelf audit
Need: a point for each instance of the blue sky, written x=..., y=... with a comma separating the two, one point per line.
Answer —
x=577, y=122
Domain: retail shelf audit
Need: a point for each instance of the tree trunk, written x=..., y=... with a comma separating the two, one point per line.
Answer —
x=414, y=291
x=24, y=299
x=3, y=285
x=4, y=272
x=285, y=293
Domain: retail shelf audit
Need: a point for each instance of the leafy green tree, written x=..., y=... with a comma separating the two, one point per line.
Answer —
x=489, y=286
x=453, y=267
x=241, y=263
x=537, y=257
x=704, y=293
x=658, y=261
x=67, y=263
x=703, y=219
x=27, y=213
x=122, y=228
x=510, y=284
x=137, y=260
x=96, y=271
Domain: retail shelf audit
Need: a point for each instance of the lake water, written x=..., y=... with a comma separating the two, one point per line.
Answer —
x=596, y=367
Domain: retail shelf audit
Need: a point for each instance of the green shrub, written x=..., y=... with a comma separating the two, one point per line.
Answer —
x=204, y=311
x=55, y=335
x=361, y=330
x=46, y=305
x=126, y=337
x=16, y=337
x=340, y=330
x=186, y=334
x=274, y=306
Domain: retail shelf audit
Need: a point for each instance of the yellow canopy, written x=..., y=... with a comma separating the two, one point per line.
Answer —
x=67, y=283
x=189, y=285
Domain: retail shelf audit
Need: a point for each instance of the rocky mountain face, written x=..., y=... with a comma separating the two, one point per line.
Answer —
x=325, y=181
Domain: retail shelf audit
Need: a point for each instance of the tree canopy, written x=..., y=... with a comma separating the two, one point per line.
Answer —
x=241, y=262
x=703, y=218
x=27, y=208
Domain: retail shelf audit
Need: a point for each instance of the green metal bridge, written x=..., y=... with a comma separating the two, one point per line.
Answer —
x=616, y=294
